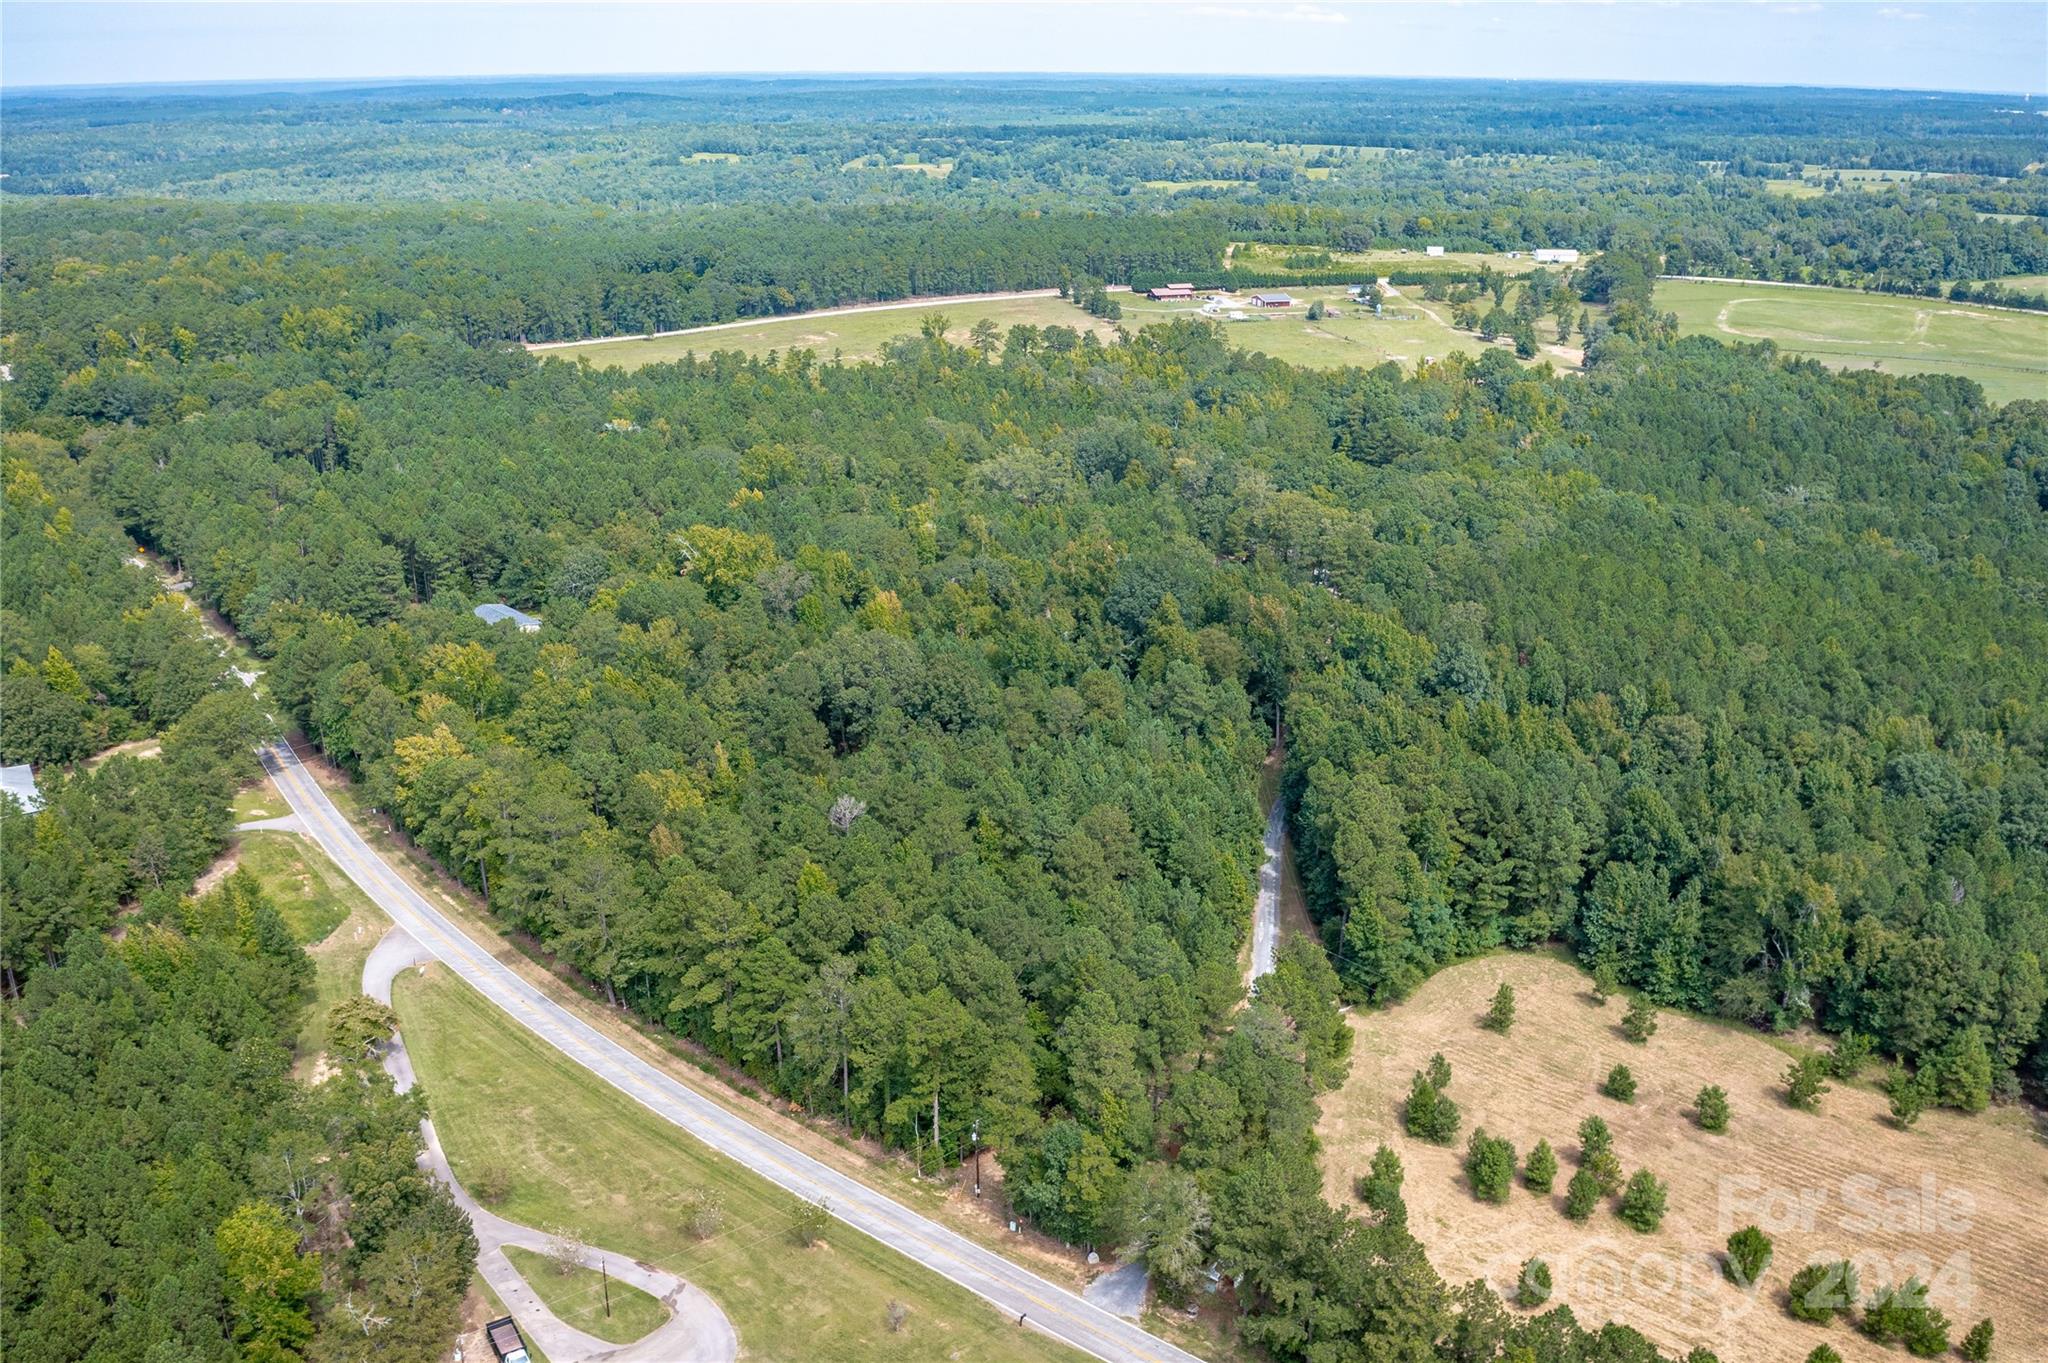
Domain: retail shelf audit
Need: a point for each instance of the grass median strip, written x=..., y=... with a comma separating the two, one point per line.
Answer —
x=578, y=1298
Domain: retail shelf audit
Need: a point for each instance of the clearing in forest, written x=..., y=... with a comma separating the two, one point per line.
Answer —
x=1273, y=257
x=851, y=335
x=1408, y=330
x=2004, y=350
x=1960, y=1201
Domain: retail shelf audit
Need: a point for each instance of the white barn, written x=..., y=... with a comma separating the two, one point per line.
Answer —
x=1559, y=255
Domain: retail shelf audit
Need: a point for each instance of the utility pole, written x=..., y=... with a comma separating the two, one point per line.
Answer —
x=974, y=1140
x=606, y=1273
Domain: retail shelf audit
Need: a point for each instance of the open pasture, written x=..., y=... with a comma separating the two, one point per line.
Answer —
x=1408, y=331
x=1271, y=258
x=850, y=335
x=1961, y=1201
x=2005, y=351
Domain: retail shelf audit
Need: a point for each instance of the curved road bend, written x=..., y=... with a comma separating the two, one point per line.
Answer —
x=1015, y=1290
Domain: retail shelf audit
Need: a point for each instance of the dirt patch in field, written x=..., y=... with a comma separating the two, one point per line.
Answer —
x=1960, y=1201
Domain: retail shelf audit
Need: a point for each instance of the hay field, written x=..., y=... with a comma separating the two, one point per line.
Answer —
x=1987, y=1175
x=2005, y=351
x=1271, y=258
x=851, y=335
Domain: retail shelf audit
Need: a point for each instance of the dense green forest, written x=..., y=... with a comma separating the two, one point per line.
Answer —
x=173, y=1193
x=893, y=729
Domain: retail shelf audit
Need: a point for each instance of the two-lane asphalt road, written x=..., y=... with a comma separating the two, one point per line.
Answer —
x=1017, y=1291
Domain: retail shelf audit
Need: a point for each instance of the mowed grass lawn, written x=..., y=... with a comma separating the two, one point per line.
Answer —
x=579, y=1298
x=851, y=335
x=2005, y=351
x=582, y=1155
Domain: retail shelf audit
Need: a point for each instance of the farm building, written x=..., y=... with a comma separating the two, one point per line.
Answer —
x=18, y=783
x=1167, y=292
x=497, y=612
x=506, y=1341
x=1432, y=250
x=1272, y=300
x=1562, y=255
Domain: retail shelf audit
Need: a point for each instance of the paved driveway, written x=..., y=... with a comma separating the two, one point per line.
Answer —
x=696, y=1331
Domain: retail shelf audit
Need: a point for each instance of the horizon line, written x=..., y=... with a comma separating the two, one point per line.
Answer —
x=291, y=84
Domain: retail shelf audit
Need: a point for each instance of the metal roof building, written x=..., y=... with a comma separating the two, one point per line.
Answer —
x=18, y=783
x=497, y=612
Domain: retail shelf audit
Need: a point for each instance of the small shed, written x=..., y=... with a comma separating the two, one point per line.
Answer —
x=1272, y=300
x=497, y=612
x=18, y=783
x=506, y=1341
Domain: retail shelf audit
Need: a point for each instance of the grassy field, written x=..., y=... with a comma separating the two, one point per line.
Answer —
x=311, y=896
x=852, y=336
x=579, y=1299
x=1408, y=332
x=586, y=1157
x=2007, y=352
x=1988, y=1172
x=1794, y=189
x=1271, y=258
x=1176, y=186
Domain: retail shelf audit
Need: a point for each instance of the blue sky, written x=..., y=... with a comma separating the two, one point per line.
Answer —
x=1922, y=44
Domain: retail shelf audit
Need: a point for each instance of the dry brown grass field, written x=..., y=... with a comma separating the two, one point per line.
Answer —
x=1961, y=1201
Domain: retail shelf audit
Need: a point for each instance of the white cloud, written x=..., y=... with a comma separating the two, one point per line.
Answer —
x=1295, y=14
x=1894, y=12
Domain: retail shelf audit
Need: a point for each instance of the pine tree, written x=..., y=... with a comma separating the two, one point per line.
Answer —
x=1582, y=1195
x=1439, y=1071
x=1539, y=1173
x=1501, y=1016
x=1489, y=1166
x=1606, y=982
x=1620, y=1084
x=1380, y=1189
x=1976, y=1345
x=1710, y=1108
x=1821, y=1291
x=1642, y=1203
x=1431, y=1114
x=1749, y=1254
x=1639, y=1024
x=1532, y=1289
x=1805, y=1082
x=1909, y=1093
